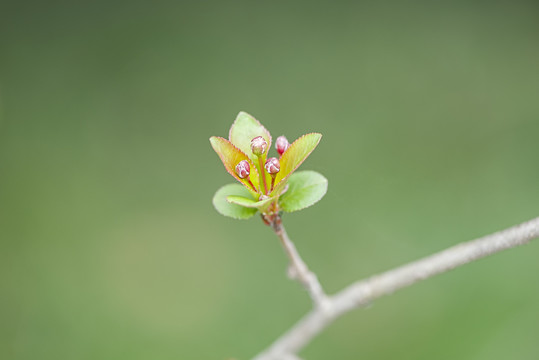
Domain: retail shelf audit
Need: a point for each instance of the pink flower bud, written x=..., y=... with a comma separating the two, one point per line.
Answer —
x=281, y=144
x=258, y=145
x=243, y=169
x=272, y=166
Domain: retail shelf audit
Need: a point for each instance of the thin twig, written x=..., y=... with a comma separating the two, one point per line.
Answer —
x=298, y=269
x=364, y=292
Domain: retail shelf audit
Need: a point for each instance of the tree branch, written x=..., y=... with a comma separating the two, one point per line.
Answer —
x=364, y=292
x=298, y=269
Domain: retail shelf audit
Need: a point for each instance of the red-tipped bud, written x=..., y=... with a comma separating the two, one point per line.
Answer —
x=258, y=145
x=243, y=169
x=272, y=166
x=281, y=144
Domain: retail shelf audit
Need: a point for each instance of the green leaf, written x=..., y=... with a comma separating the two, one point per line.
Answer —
x=292, y=158
x=232, y=210
x=247, y=202
x=244, y=129
x=305, y=188
x=231, y=156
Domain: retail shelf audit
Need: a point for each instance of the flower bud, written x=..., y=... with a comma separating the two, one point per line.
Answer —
x=258, y=145
x=281, y=144
x=243, y=169
x=272, y=166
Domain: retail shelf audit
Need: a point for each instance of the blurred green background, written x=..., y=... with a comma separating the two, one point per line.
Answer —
x=110, y=247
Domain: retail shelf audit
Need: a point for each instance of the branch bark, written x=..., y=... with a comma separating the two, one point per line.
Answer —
x=298, y=269
x=364, y=292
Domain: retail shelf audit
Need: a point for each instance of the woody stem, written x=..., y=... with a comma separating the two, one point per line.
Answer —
x=300, y=271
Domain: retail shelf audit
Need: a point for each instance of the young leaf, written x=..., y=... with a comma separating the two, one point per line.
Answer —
x=231, y=156
x=248, y=202
x=245, y=129
x=305, y=188
x=294, y=156
x=232, y=210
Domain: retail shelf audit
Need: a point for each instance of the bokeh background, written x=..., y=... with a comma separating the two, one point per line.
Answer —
x=110, y=247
